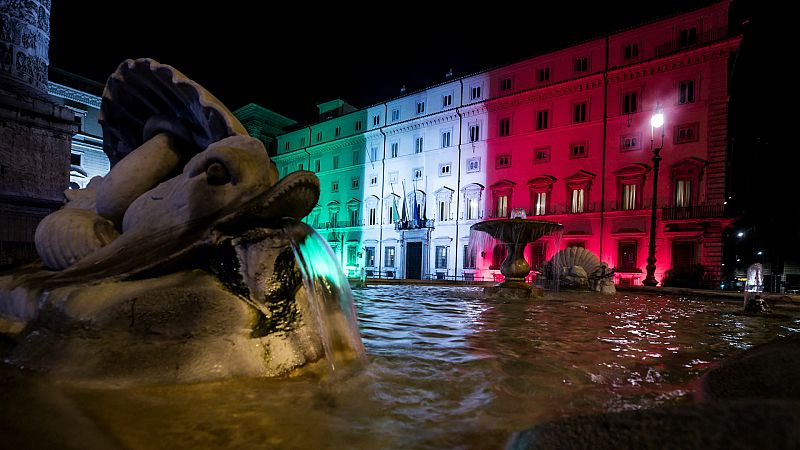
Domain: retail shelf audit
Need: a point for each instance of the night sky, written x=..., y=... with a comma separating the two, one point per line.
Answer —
x=244, y=55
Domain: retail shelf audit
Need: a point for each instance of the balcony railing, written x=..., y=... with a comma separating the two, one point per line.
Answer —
x=692, y=212
x=715, y=34
x=342, y=224
x=413, y=224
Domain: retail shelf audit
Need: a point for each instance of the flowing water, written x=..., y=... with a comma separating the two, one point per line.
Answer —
x=447, y=369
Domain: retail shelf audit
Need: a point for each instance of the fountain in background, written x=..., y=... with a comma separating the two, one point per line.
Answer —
x=753, y=292
x=186, y=262
x=515, y=233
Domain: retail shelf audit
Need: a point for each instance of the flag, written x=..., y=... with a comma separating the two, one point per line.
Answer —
x=404, y=218
x=394, y=209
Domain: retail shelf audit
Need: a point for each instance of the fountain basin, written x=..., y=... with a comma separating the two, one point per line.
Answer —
x=515, y=234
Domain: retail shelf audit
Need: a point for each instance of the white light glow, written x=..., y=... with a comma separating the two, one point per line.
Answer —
x=739, y=234
x=657, y=121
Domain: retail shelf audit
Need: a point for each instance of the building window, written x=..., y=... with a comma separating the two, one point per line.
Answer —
x=688, y=37
x=629, y=103
x=358, y=125
x=474, y=133
x=74, y=159
x=505, y=84
x=376, y=119
x=628, y=196
x=686, y=92
x=354, y=182
x=373, y=216
x=388, y=257
x=502, y=205
x=687, y=133
x=416, y=174
x=499, y=253
x=539, y=203
x=441, y=257
x=300, y=166
x=447, y=100
x=582, y=64
x=473, y=165
x=630, y=142
x=683, y=193
x=317, y=165
x=393, y=177
x=286, y=146
x=393, y=148
x=354, y=218
x=337, y=132
x=315, y=219
x=444, y=170
x=469, y=257
x=505, y=127
x=578, y=201
x=684, y=255
x=319, y=136
x=333, y=215
x=476, y=92
x=352, y=256
x=395, y=114
x=369, y=257
x=446, y=139
x=503, y=161
x=542, y=121
x=356, y=157
x=335, y=162
x=302, y=141
x=544, y=74
x=418, y=145
x=472, y=208
x=334, y=186
x=373, y=180
x=541, y=155
x=578, y=150
x=444, y=210
x=626, y=256
x=579, y=112
x=631, y=51
x=373, y=154
x=420, y=107
x=538, y=255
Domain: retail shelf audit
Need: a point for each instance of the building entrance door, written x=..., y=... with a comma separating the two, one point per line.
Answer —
x=414, y=260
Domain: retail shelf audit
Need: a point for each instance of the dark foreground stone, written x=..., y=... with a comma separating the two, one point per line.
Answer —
x=767, y=371
x=740, y=424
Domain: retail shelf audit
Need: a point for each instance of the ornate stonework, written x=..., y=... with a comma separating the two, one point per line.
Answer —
x=24, y=41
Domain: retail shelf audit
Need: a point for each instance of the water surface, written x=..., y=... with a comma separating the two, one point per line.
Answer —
x=447, y=369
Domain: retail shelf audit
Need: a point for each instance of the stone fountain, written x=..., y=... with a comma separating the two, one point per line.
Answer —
x=515, y=233
x=186, y=262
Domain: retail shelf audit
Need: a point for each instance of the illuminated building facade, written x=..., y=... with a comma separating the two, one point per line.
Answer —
x=564, y=135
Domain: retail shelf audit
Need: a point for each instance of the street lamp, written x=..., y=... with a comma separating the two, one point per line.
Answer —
x=657, y=121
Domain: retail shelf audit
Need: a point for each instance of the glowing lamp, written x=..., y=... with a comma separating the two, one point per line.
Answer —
x=657, y=121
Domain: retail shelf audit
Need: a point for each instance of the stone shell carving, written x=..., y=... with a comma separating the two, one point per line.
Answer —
x=577, y=256
x=69, y=234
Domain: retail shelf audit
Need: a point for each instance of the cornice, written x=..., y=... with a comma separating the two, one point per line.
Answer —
x=422, y=122
x=61, y=91
x=685, y=58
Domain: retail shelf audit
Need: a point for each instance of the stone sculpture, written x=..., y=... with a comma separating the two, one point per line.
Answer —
x=579, y=268
x=177, y=265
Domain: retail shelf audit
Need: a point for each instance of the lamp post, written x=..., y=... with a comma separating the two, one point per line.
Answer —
x=657, y=121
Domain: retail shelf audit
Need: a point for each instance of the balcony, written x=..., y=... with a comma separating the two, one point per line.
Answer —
x=342, y=224
x=413, y=224
x=692, y=212
x=715, y=34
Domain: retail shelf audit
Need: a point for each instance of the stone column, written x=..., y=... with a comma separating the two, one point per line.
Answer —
x=35, y=132
x=24, y=41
